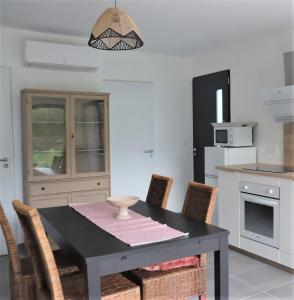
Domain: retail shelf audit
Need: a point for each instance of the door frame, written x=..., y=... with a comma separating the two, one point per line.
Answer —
x=105, y=81
x=228, y=110
x=11, y=216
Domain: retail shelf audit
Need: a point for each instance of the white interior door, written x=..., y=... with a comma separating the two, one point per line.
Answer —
x=6, y=152
x=131, y=108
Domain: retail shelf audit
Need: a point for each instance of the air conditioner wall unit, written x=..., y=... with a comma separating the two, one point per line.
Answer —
x=61, y=56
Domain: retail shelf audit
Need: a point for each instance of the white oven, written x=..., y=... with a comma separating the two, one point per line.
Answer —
x=260, y=213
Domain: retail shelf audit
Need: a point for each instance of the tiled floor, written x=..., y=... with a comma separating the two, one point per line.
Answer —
x=249, y=279
x=253, y=280
x=4, y=278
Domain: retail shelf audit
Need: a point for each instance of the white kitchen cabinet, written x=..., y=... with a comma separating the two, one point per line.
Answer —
x=287, y=222
x=259, y=179
x=229, y=215
x=229, y=205
x=260, y=249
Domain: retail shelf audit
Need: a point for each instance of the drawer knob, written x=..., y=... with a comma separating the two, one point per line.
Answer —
x=42, y=188
x=98, y=183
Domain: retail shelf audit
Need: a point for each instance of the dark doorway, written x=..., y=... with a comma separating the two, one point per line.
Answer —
x=210, y=93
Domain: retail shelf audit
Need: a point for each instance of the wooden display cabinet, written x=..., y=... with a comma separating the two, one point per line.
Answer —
x=65, y=147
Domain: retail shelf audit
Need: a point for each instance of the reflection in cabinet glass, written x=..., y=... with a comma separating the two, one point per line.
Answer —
x=48, y=136
x=89, y=135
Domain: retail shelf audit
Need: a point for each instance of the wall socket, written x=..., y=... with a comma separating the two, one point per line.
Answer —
x=269, y=150
x=4, y=165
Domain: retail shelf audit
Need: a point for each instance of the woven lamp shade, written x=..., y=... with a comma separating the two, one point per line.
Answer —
x=115, y=30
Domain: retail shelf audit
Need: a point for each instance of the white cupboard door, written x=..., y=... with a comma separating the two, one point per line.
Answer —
x=286, y=217
x=131, y=115
x=229, y=205
x=6, y=153
x=214, y=156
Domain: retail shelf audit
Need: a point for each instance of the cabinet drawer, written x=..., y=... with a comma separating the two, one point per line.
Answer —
x=67, y=186
x=259, y=179
x=89, y=196
x=50, y=200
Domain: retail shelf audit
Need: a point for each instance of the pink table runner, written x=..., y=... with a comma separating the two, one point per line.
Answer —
x=138, y=230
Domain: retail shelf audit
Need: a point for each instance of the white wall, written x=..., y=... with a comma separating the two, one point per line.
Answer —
x=255, y=65
x=171, y=77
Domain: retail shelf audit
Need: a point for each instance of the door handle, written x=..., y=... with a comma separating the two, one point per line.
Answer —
x=194, y=151
x=149, y=151
x=4, y=159
x=211, y=176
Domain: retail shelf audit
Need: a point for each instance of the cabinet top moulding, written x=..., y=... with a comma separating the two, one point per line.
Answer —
x=75, y=93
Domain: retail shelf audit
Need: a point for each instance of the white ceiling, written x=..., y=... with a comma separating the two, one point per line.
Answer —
x=173, y=27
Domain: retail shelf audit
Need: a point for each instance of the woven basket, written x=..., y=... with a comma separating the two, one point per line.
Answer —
x=117, y=287
x=176, y=284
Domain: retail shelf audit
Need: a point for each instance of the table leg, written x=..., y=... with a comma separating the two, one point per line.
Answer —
x=92, y=282
x=221, y=271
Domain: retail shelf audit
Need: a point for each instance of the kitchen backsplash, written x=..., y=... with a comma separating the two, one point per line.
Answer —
x=289, y=144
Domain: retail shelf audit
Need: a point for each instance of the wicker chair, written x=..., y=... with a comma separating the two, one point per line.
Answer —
x=159, y=190
x=49, y=284
x=21, y=270
x=181, y=283
x=199, y=205
x=21, y=278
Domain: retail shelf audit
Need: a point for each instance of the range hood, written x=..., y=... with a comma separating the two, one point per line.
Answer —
x=280, y=100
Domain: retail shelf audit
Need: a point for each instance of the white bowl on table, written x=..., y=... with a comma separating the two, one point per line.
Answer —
x=122, y=203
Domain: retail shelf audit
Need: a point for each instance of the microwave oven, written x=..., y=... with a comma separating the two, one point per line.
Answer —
x=233, y=136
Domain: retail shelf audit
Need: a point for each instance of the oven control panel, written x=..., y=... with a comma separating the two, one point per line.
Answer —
x=260, y=189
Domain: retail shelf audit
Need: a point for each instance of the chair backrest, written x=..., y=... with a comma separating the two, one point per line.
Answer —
x=159, y=190
x=11, y=244
x=199, y=201
x=45, y=268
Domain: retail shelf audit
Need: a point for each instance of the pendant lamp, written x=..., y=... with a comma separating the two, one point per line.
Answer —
x=115, y=30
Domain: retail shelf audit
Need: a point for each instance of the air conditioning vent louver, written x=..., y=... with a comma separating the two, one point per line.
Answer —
x=60, y=56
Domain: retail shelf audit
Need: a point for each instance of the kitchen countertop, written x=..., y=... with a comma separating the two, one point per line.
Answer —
x=240, y=169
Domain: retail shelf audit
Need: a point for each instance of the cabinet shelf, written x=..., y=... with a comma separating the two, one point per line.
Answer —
x=48, y=123
x=89, y=150
x=46, y=151
x=100, y=122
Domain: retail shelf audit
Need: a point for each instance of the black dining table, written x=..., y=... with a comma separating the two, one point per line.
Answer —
x=97, y=253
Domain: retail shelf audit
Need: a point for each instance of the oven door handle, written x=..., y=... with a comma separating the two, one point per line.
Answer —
x=259, y=199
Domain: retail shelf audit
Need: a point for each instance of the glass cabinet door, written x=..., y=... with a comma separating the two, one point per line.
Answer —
x=49, y=137
x=89, y=133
